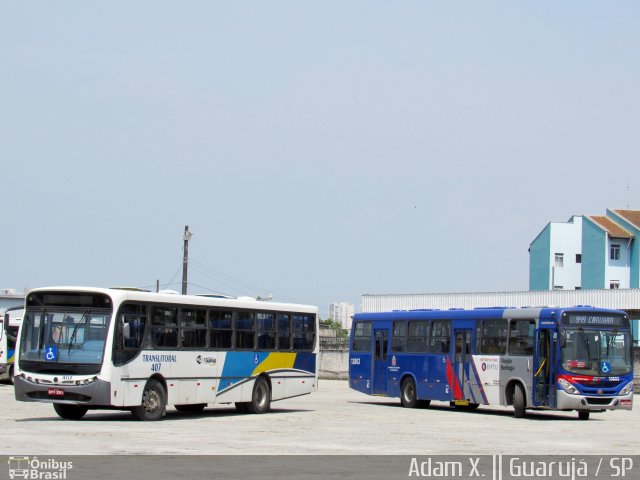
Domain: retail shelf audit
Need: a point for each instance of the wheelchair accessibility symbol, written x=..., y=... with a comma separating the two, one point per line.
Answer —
x=605, y=367
x=50, y=353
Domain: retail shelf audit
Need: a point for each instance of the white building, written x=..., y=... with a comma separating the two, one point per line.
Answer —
x=342, y=312
x=556, y=257
x=590, y=252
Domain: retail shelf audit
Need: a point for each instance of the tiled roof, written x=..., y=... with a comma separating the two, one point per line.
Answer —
x=613, y=229
x=631, y=216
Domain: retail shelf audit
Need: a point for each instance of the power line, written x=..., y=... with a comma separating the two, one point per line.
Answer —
x=246, y=285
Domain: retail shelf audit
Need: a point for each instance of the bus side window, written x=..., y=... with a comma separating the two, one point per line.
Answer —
x=164, y=327
x=244, y=329
x=417, y=340
x=399, y=338
x=440, y=336
x=220, y=329
x=521, y=334
x=193, y=328
x=361, y=337
x=284, y=331
x=130, y=330
x=303, y=331
x=494, y=337
x=266, y=326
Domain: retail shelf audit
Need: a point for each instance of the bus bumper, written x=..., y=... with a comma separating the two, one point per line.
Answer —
x=97, y=392
x=567, y=401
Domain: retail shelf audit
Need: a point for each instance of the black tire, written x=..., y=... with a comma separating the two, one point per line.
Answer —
x=12, y=380
x=261, y=397
x=242, y=407
x=519, y=402
x=191, y=408
x=408, y=394
x=70, y=412
x=583, y=414
x=154, y=402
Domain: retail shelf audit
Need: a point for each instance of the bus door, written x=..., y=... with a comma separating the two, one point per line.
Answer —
x=380, y=363
x=544, y=371
x=461, y=363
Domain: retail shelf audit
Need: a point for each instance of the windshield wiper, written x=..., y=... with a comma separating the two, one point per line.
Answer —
x=585, y=342
x=611, y=341
x=43, y=328
x=83, y=319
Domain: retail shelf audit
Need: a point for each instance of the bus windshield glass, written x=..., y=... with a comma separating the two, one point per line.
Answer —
x=64, y=335
x=596, y=352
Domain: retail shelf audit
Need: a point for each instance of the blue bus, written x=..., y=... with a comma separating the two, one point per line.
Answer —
x=576, y=358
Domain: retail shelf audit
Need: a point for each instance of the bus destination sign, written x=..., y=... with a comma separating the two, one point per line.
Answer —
x=595, y=320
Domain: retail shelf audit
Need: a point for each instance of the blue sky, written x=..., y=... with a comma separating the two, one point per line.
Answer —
x=317, y=150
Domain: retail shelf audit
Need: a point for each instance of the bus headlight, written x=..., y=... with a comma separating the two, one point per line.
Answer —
x=567, y=387
x=628, y=388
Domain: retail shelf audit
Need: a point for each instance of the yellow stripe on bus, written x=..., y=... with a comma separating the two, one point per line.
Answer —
x=276, y=361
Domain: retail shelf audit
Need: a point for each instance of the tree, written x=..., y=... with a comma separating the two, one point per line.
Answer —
x=337, y=326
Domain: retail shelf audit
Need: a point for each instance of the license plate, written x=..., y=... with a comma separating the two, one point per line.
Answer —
x=56, y=392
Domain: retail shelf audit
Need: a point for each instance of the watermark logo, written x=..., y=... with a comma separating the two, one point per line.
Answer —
x=36, y=469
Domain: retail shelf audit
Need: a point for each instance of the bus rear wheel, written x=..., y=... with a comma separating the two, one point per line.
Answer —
x=154, y=402
x=70, y=412
x=191, y=408
x=519, y=402
x=408, y=396
x=261, y=397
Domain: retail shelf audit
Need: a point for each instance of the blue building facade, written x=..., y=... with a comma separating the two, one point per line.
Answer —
x=590, y=252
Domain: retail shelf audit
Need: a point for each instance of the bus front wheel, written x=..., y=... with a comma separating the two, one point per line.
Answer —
x=519, y=402
x=583, y=414
x=69, y=412
x=261, y=397
x=408, y=396
x=154, y=402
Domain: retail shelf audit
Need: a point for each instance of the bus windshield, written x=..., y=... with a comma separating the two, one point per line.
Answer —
x=64, y=336
x=596, y=352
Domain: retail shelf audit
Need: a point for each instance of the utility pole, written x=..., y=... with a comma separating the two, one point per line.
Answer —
x=185, y=262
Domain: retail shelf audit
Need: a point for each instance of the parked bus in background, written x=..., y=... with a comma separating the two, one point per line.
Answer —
x=9, y=326
x=90, y=348
x=548, y=358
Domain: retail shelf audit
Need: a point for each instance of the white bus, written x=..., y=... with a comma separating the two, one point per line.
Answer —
x=9, y=326
x=92, y=348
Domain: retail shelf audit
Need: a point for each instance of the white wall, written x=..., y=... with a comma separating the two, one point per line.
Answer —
x=620, y=269
x=566, y=238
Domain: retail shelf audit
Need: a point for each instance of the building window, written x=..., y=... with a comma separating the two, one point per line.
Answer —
x=578, y=258
x=614, y=284
x=615, y=252
x=559, y=260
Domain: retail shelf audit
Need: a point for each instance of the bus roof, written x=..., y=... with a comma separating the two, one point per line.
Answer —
x=119, y=295
x=478, y=313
